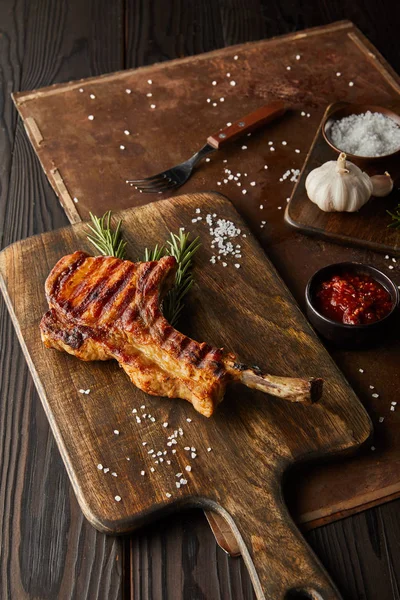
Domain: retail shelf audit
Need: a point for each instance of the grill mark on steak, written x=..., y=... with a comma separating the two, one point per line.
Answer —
x=95, y=290
x=109, y=296
x=67, y=273
x=65, y=301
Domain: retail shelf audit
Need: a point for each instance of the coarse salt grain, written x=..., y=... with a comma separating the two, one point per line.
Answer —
x=152, y=105
x=90, y=117
x=122, y=147
x=298, y=57
x=149, y=81
x=209, y=449
x=92, y=96
x=114, y=474
x=214, y=83
x=222, y=99
x=75, y=200
x=118, y=498
x=284, y=143
x=381, y=419
x=232, y=83
x=105, y=470
x=361, y=370
x=351, y=83
x=116, y=431
x=128, y=91
x=375, y=395
x=168, y=495
x=297, y=151
x=235, y=57
x=338, y=74
x=81, y=90
x=165, y=424
x=100, y=466
x=126, y=132
x=188, y=468
x=253, y=183
x=288, y=68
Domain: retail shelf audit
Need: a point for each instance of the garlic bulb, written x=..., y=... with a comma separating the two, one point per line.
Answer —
x=339, y=186
x=382, y=185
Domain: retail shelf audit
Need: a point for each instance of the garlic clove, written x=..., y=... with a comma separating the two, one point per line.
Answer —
x=382, y=185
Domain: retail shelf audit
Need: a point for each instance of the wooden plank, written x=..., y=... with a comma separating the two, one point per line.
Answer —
x=48, y=549
x=368, y=227
x=360, y=555
x=180, y=554
x=274, y=433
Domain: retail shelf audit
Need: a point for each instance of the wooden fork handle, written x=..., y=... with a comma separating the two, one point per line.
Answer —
x=247, y=124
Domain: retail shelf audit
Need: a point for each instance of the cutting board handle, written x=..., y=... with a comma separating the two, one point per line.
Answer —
x=281, y=564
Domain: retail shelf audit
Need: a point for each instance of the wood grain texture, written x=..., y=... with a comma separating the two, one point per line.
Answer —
x=48, y=550
x=367, y=227
x=246, y=425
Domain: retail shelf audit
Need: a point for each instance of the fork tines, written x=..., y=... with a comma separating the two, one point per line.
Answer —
x=156, y=184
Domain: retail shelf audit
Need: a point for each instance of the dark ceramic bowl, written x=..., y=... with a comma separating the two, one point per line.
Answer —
x=351, y=335
x=344, y=109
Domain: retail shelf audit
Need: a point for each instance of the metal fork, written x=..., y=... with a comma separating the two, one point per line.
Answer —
x=178, y=175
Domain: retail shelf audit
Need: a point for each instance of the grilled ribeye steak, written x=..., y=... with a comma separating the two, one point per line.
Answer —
x=104, y=307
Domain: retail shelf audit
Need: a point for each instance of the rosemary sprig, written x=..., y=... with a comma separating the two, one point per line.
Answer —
x=104, y=239
x=110, y=243
x=183, y=250
x=395, y=217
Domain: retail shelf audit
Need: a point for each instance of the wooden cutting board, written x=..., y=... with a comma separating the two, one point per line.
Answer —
x=242, y=452
x=369, y=226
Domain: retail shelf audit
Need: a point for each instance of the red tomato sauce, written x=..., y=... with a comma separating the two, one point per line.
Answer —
x=353, y=299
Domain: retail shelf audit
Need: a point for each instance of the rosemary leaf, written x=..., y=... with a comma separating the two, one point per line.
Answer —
x=154, y=254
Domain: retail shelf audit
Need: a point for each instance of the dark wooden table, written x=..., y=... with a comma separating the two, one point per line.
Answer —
x=47, y=549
